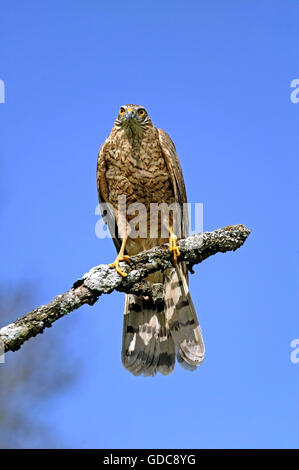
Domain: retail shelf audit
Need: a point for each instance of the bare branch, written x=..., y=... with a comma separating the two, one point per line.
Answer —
x=104, y=279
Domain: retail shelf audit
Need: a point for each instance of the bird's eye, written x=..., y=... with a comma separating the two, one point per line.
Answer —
x=122, y=110
x=141, y=112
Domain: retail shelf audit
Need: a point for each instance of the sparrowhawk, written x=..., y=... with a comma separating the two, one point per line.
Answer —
x=140, y=162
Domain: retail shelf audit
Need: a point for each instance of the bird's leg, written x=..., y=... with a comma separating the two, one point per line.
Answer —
x=173, y=247
x=121, y=257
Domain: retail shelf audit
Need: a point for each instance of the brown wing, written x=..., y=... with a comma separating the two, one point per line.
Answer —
x=103, y=193
x=181, y=318
x=176, y=174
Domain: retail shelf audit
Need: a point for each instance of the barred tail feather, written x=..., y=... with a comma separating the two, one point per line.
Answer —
x=153, y=334
x=147, y=344
x=182, y=320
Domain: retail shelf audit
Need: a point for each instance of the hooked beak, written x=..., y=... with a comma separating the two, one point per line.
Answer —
x=129, y=115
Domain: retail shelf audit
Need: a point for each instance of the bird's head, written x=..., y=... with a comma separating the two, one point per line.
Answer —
x=133, y=116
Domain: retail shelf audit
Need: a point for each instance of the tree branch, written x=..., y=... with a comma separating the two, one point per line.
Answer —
x=104, y=279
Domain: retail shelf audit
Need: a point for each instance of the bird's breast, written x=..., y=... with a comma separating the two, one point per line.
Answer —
x=138, y=171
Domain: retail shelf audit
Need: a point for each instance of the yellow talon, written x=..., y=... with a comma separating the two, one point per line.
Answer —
x=115, y=264
x=121, y=257
x=173, y=247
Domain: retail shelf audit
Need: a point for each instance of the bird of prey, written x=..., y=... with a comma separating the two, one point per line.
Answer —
x=140, y=162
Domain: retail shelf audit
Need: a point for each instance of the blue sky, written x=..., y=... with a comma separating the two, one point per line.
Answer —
x=216, y=76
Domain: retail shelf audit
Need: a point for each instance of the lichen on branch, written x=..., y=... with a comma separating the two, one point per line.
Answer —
x=104, y=279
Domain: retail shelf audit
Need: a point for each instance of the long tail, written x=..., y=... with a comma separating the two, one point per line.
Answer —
x=147, y=344
x=154, y=334
x=182, y=320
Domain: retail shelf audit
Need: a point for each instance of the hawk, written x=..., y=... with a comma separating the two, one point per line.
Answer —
x=140, y=162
